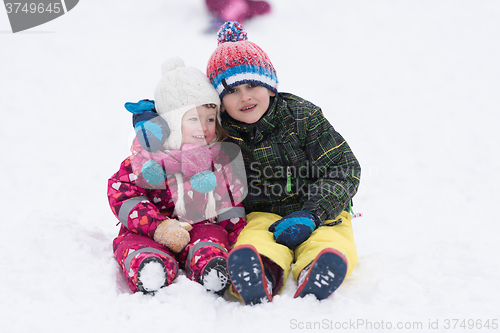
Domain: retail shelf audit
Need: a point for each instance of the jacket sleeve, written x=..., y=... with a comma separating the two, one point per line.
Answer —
x=130, y=204
x=337, y=168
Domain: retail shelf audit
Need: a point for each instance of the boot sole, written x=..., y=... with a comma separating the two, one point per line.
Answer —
x=326, y=274
x=246, y=271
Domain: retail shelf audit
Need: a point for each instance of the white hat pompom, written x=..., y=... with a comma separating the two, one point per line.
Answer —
x=171, y=64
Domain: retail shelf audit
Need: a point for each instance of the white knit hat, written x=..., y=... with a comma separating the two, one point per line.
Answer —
x=180, y=90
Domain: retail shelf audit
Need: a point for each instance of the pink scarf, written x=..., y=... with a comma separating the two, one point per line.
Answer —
x=190, y=160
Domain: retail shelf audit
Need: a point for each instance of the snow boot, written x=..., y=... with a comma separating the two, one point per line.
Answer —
x=248, y=275
x=151, y=275
x=323, y=276
x=214, y=276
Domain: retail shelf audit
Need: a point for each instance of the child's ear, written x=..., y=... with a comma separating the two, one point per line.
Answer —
x=222, y=109
x=272, y=94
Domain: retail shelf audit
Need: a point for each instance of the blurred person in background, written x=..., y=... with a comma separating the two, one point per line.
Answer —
x=235, y=10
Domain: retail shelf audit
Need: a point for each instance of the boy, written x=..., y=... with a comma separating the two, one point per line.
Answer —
x=301, y=174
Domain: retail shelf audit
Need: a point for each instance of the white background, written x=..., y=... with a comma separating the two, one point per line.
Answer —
x=413, y=86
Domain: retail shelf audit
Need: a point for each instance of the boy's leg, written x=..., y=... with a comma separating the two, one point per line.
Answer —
x=275, y=257
x=147, y=265
x=249, y=277
x=334, y=250
x=205, y=257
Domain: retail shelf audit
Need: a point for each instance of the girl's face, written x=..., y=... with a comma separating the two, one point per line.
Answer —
x=198, y=125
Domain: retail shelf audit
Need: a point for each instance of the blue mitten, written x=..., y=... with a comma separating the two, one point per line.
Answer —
x=293, y=229
x=151, y=130
x=142, y=106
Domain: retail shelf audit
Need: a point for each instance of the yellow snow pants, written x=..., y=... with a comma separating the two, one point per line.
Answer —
x=339, y=237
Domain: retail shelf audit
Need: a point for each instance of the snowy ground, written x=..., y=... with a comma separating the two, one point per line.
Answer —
x=412, y=85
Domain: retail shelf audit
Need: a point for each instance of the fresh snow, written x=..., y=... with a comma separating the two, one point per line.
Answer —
x=411, y=85
x=152, y=276
x=212, y=281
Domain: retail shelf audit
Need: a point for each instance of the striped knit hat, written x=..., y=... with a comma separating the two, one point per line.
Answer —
x=237, y=61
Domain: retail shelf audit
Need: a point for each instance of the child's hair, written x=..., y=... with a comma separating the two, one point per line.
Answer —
x=220, y=132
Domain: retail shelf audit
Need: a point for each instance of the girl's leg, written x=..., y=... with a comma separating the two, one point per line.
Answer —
x=147, y=265
x=205, y=256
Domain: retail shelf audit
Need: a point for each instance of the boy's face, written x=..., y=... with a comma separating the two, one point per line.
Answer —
x=247, y=102
x=198, y=125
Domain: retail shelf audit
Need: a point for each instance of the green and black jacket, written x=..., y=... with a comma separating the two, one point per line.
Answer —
x=295, y=160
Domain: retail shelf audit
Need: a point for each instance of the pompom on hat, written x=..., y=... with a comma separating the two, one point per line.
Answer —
x=238, y=61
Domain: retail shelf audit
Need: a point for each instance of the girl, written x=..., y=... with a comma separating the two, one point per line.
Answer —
x=178, y=195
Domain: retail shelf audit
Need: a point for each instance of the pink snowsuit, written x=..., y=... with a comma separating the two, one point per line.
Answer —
x=141, y=207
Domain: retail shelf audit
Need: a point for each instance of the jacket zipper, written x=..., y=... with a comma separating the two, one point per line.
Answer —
x=288, y=179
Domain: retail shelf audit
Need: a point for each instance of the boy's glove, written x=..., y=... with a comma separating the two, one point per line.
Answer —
x=173, y=234
x=293, y=229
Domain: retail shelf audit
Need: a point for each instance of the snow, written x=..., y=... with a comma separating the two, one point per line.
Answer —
x=412, y=86
x=212, y=281
x=152, y=276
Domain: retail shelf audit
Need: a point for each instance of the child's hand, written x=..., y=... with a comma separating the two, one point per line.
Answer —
x=293, y=229
x=151, y=130
x=173, y=234
x=185, y=225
